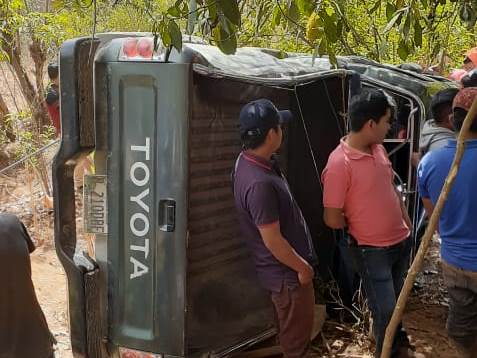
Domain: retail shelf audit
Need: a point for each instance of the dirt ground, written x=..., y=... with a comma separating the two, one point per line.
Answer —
x=424, y=319
x=50, y=286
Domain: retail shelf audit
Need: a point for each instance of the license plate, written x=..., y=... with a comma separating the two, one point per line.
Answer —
x=95, y=204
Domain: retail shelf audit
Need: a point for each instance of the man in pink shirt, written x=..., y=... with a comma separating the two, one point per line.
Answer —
x=359, y=195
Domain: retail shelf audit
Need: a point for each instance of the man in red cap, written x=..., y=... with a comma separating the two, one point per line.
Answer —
x=457, y=225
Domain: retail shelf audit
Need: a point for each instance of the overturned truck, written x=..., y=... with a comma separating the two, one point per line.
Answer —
x=170, y=275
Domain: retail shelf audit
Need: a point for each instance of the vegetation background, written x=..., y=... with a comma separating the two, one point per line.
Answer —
x=429, y=32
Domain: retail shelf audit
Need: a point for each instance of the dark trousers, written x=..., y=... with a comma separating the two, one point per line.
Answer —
x=383, y=271
x=462, y=319
x=295, y=308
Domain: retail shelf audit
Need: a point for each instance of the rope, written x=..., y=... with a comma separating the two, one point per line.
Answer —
x=42, y=149
x=317, y=172
x=333, y=109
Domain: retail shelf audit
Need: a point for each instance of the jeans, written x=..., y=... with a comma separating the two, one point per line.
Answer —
x=462, y=319
x=383, y=271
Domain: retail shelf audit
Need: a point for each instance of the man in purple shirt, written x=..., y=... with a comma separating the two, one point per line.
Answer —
x=273, y=225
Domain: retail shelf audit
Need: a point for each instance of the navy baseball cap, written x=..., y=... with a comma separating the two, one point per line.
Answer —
x=261, y=115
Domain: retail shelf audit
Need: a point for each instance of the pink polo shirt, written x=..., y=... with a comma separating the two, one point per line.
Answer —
x=362, y=185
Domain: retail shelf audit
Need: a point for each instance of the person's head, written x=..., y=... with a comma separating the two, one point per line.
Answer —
x=441, y=107
x=470, y=59
x=370, y=114
x=470, y=79
x=53, y=72
x=461, y=106
x=260, y=125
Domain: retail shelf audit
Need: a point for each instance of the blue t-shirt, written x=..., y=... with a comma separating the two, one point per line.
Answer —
x=458, y=221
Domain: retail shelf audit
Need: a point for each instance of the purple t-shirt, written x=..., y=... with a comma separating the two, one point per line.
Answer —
x=262, y=197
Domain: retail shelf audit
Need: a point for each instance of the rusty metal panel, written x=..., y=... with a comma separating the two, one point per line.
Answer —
x=85, y=61
x=220, y=268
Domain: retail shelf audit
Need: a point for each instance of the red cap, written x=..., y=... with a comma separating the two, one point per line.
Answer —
x=472, y=55
x=465, y=98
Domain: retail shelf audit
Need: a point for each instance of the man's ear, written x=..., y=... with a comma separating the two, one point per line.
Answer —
x=450, y=120
x=269, y=134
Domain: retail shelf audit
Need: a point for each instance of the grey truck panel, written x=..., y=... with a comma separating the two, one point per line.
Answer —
x=147, y=168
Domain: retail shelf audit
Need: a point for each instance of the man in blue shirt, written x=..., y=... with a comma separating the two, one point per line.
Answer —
x=457, y=225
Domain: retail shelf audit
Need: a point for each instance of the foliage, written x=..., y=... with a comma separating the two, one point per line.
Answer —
x=28, y=141
x=384, y=30
x=390, y=31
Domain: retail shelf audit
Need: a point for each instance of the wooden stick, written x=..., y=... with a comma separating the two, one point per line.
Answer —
x=431, y=228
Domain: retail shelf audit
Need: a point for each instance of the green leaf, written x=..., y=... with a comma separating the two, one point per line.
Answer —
x=393, y=21
x=165, y=35
x=58, y=4
x=383, y=48
x=375, y=7
x=330, y=27
x=417, y=34
x=276, y=17
x=226, y=42
x=407, y=26
x=332, y=57
x=212, y=7
x=323, y=47
x=424, y=3
x=390, y=10
x=293, y=12
x=403, y=50
x=306, y=7
x=176, y=35
x=174, y=11
x=192, y=18
x=339, y=28
x=230, y=10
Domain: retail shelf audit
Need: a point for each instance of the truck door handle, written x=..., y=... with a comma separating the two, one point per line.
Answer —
x=167, y=215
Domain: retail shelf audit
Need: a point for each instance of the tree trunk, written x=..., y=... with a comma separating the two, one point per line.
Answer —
x=431, y=228
x=39, y=58
x=4, y=124
x=34, y=97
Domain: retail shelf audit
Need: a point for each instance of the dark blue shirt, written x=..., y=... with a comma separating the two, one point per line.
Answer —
x=262, y=197
x=458, y=221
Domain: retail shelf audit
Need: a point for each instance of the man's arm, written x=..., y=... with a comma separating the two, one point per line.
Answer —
x=283, y=252
x=404, y=213
x=428, y=206
x=334, y=218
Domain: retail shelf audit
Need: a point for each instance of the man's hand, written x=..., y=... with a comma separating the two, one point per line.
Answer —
x=306, y=275
x=283, y=252
x=406, y=218
x=334, y=218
